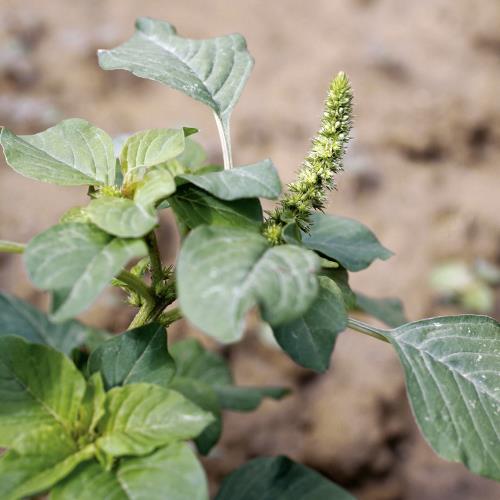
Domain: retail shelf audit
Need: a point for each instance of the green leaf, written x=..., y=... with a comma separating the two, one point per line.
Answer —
x=75, y=214
x=20, y=318
x=278, y=478
x=158, y=183
x=40, y=459
x=238, y=398
x=171, y=473
x=223, y=273
x=40, y=387
x=195, y=207
x=193, y=155
x=142, y=417
x=341, y=278
x=310, y=339
x=71, y=153
x=212, y=71
x=121, y=217
x=193, y=361
x=149, y=148
x=345, y=240
x=200, y=393
x=79, y=258
x=204, y=378
x=138, y=355
x=292, y=234
x=452, y=368
x=389, y=311
x=92, y=408
x=259, y=180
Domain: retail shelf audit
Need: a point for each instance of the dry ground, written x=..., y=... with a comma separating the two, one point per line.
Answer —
x=423, y=172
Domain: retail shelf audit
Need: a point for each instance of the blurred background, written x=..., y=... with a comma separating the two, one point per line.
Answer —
x=422, y=172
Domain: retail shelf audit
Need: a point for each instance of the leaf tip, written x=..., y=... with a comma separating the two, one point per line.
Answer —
x=147, y=25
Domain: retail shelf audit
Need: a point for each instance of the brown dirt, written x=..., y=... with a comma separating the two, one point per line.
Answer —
x=422, y=172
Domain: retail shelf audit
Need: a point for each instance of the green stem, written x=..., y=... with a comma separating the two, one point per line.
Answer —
x=155, y=258
x=366, y=329
x=142, y=317
x=138, y=286
x=11, y=247
x=150, y=313
x=225, y=141
x=155, y=298
x=171, y=316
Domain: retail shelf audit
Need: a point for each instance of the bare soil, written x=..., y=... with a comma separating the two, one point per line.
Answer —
x=422, y=172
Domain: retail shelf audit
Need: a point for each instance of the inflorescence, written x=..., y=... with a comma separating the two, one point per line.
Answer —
x=316, y=176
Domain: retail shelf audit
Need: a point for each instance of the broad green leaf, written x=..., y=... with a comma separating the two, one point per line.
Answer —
x=341, y=278
x=193, y=155
x=39, y=387
x=138, y=355
x=149, y=148
x=121, y=217
x=278, y=478
x=59, y=256
x=171, y=473
x=212, y=71
x=204, y=378
x=200, y=393
x=389, y=311
x=193, y=362
x=240, y=398
x=347, y=241
x=194, y=207
x=20, y=318
x=310, y=339
x=75, y=214
x=292, y=234
x=40, y=459
x=223, y=273
x=452, y=368
x=78, y=258
x=142, y=417
x=259, y=180
x=74, y=152
x=158, y=183
x=92, y=407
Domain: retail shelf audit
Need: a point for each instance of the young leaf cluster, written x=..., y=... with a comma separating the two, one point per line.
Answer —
x=113, y=422
x=131, y=405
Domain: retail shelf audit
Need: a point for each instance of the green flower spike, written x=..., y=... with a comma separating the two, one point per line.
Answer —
x=316, y=177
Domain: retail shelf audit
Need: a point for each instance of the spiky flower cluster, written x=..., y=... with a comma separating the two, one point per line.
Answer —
x=316, y=176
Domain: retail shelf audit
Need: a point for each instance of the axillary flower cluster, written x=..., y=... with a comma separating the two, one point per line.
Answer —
x=316, y=176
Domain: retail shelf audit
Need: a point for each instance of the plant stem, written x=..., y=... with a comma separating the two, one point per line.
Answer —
x=366, y=329
x=225, y=141
x=11, y=247
x=171, y=316
x=155, y=258
x=142, y=317
x=138, y=286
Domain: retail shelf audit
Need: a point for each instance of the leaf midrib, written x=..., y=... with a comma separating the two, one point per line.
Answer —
x=158, y=43
x=139, y=359
x=54, y=158
x=452, y=369
x=454, y=374
x=42, y=403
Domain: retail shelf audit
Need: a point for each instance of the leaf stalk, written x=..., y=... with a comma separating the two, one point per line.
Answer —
x=366, y=329
x=11, y=247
